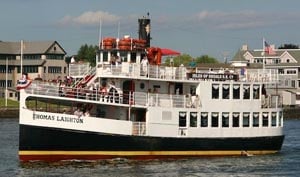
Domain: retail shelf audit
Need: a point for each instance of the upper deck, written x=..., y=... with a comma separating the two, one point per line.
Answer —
x=170, y=73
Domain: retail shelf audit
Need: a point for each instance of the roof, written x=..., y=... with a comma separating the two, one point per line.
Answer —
x=295, y=53
x=36, y=47
x=25, y=62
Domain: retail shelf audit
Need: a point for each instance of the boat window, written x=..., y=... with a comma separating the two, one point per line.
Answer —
x=193, y=90
x=133, y=57
x=255, y=119
x=265, y=119
x=225, y=119
x=215, y=91
x=256, y=91
x=235, y=119
x=273, y=121
x=105, y=56
x=123, y=56
x=246, y=89
x=204, y=119
x=182, y=119
x=225, y=90
x=245, y=119
x=215, y=119
x=236, y=91
x=193, y=119
x=280, y=118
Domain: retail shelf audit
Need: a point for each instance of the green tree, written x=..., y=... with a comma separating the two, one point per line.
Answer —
x=178, y=60
x=87, y=53
x=206, y=59
x=288, y=46
x=187, y=60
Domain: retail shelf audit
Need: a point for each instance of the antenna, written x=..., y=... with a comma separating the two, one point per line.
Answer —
x=225, y=55
x=119, y=30
x=100, y=33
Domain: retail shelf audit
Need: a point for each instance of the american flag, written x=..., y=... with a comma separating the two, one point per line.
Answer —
x=269, y=49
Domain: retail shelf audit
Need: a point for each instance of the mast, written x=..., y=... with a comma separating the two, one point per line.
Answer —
x=21, y=71
x=6, y=77
x=263, y=53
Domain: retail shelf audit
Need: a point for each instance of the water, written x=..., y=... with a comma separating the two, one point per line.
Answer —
x=285, y=163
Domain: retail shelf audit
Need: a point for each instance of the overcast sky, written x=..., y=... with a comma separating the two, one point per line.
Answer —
x=196, y=27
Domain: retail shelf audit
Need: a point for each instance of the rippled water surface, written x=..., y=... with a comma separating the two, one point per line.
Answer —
x=285, y=163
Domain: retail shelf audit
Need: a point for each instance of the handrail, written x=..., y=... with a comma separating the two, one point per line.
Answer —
x=135, y=70
x=141, y=99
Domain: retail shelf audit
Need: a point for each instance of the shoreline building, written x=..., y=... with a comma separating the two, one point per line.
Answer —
x=40, y=59
x=285, y=61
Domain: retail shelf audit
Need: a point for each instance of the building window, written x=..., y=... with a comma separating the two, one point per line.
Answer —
x=236, y=119
x=280, y=71
x=3, y=83
x=193, y=119
x=3, y=69
x=293, y=83
x=32, y=57
x=291, y=71
x=215, y=119
x=215, y=91
x=54, y=69
x=204, y=119
x=28, y=69
x=65, y=70
x=54, y=57
x=182, y=119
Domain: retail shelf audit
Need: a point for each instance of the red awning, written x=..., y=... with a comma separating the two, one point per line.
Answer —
x=165, y=51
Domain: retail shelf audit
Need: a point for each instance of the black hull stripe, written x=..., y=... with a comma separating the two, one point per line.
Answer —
x=41, y=141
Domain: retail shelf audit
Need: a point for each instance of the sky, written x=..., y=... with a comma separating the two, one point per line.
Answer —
x=217, y=28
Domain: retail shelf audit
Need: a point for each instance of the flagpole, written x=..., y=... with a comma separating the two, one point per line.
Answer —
x=263, y=53
x=6, y=77
x=21, y=58
x=100, y=33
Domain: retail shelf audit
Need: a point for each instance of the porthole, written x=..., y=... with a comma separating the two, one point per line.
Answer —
x=142, y=86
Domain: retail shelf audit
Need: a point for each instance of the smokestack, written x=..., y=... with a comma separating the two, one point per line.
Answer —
x=144, y=29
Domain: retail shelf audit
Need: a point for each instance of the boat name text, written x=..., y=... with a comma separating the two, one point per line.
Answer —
x=57, y=118
x=197, y=76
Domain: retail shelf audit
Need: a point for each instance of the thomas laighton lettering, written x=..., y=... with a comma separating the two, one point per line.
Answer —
x=57, y=118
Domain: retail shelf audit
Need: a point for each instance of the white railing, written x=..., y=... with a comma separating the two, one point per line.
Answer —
x=138, y=128
x=79, y=69
x=262, y=75
x=135, y=70
x=129, y=98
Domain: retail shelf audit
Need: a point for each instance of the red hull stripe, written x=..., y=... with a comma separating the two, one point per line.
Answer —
x=95, y=155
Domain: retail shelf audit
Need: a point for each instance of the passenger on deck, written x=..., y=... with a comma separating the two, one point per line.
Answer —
x=113, y=93
x=144, y=64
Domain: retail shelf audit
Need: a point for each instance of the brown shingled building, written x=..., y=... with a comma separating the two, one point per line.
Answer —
x=44, y=59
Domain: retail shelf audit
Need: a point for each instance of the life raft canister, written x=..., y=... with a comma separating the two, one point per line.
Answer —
x=154, y=55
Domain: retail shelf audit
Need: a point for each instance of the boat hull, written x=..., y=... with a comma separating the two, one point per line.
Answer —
x=52, y=144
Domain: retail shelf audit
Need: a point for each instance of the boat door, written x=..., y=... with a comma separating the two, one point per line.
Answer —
x=128, y=87
x=178, y=89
